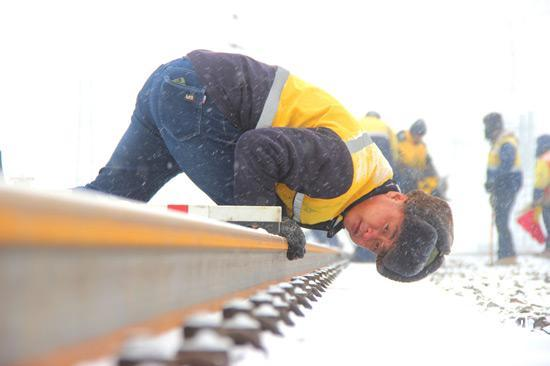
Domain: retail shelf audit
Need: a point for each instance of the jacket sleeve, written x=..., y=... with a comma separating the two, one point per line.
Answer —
x=542, y=180
x=507, y=158
x=313, y=161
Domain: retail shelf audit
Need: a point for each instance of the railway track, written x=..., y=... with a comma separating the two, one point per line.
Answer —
x=79, y=274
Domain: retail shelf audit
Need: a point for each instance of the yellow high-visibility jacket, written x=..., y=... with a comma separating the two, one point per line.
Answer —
x=542, y=180
x=302, y=105
x=495, y=159
x=414, y=164
x=504, y=164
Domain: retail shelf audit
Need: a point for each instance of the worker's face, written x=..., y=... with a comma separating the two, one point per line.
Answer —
x=491, y=133
x=375, y=223
x=416, y=138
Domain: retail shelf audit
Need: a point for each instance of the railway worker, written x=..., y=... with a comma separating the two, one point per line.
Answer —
x=504, y=179
x=382, y=135
x=248, y=133
x=414, y=167
x=541, y=191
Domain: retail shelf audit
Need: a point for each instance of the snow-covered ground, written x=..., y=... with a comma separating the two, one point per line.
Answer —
x=365, y=319
x=517, y=294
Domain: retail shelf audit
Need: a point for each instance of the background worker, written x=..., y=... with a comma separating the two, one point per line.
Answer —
x=541, y=191
x=415, y=169
x=249, y=133
x=504, y=179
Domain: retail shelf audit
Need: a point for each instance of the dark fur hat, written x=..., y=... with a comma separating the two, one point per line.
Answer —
x=418, y=128
x=493, y=118
x=373, y=114
x=543, y=145
x=426, y=236
x=493, y=125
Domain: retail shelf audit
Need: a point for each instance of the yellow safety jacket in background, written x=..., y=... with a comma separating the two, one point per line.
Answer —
x=542, y=180
x=412, y=154
x=414, y=163
x=494, y=154
x=295, y=103
x=378, y=128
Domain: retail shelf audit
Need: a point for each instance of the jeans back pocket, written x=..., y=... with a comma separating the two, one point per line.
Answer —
x=180, y=108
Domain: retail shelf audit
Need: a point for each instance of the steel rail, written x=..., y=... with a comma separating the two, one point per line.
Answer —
x=77, y=272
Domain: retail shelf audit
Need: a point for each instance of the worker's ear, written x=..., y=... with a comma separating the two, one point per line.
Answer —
x=397, y=196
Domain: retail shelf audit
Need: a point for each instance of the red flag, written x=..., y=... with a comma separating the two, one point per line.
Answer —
x=531, y=225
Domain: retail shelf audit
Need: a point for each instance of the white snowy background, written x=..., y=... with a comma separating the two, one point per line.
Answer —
x=70, y=71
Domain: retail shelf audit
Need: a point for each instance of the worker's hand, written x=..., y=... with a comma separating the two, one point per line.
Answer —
x=489, y=185
x=295, y=237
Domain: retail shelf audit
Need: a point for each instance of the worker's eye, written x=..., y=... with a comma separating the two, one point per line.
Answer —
x=386, y=228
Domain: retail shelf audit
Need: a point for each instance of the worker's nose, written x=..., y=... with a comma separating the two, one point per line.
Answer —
x=369, y=234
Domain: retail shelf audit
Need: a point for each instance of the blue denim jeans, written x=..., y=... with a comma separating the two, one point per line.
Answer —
x=174, y=128
x=546, y=221
x=502, y=201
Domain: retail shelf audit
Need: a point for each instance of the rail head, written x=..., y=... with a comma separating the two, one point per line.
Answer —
x=79, y=219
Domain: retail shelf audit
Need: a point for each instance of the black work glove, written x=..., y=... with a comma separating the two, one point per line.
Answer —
x=295, y=237
x=489, y=185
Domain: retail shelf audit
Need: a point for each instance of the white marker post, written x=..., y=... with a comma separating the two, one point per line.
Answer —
x=265, y=217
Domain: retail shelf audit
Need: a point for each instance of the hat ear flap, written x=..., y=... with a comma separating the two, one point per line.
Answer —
x=439, y=214
x=423, y=273
x=445, y=239
x=416, y=245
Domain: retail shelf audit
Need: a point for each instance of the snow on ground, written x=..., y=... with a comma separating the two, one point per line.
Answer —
x=518, y=294
x=365, y=319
